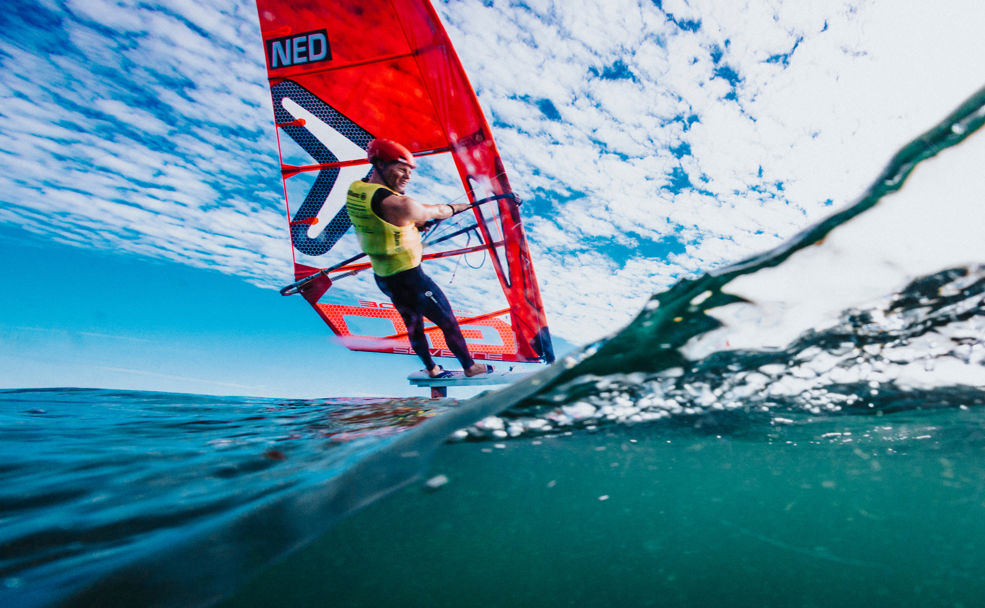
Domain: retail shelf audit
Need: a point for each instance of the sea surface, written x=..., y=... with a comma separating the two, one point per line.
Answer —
x=803, y=428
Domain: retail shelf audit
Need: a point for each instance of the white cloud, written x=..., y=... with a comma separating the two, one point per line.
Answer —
x=158, y=140
x=794, y=136
x=145, y=141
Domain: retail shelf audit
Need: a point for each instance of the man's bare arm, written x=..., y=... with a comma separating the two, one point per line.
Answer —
x=403, y=210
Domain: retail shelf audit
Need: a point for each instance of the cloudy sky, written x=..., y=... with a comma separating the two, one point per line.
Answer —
x=650, y=141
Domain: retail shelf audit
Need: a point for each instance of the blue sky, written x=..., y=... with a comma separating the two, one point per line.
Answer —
x=141, y=216
x=82, y=317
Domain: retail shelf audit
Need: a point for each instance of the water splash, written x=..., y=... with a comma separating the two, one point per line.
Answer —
x=866, y=310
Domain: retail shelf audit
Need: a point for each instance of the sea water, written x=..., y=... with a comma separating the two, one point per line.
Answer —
x=849, y=511
x=805, y=428
x=102, y=488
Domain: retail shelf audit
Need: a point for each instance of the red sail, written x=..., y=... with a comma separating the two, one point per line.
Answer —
x=345, y=72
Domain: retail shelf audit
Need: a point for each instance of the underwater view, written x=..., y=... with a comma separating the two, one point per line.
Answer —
x=804, y=428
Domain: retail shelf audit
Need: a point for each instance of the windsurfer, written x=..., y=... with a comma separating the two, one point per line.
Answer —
x=388, y=225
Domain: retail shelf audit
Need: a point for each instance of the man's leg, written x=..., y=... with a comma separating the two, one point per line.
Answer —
x=418, y=339
x=438, y=309
x=397, y=292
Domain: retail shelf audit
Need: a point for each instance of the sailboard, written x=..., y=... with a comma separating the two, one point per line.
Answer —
x=457, y=378
x=344, y=72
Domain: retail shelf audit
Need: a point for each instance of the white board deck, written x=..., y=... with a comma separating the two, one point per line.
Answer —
x=458, y=378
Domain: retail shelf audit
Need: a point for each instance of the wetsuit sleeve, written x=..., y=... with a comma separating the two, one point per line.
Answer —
x=377, y=203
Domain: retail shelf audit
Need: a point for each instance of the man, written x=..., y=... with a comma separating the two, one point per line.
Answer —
x=388, y=225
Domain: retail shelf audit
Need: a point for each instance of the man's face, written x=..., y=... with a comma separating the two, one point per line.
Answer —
x=398, y=176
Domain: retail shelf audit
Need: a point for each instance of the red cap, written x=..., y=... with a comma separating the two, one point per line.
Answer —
x=388, y=151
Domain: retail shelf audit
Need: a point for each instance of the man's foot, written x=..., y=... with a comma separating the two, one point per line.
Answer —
x=478, y=369
x=438, y=372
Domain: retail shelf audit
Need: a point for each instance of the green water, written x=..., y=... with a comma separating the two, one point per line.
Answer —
x=798, y=514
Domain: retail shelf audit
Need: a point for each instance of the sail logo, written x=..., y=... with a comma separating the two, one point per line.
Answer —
x=301, y=49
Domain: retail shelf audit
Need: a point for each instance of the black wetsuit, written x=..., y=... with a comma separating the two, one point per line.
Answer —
x=416, y=296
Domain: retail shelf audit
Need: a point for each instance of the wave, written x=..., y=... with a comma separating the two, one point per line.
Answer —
x=876, y=308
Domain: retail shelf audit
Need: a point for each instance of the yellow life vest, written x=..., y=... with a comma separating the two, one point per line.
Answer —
x=390, y=248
